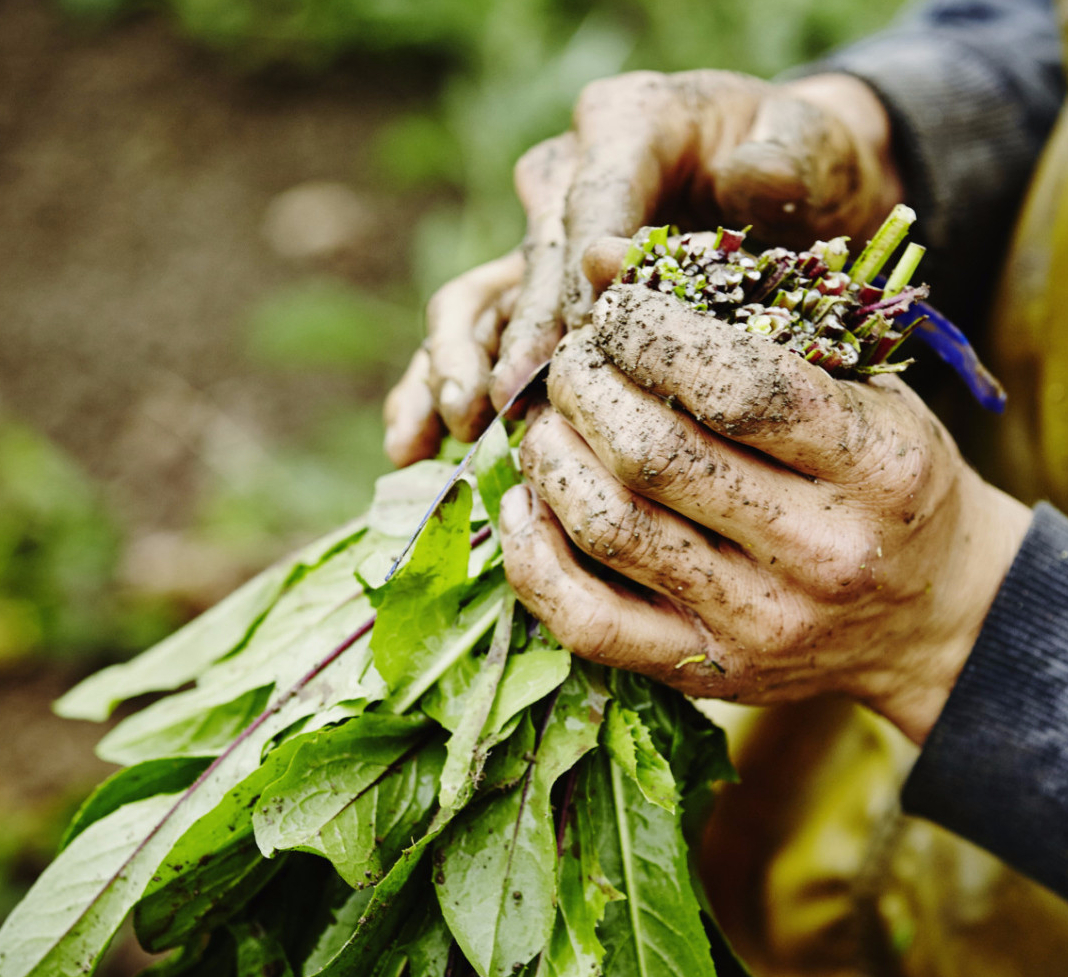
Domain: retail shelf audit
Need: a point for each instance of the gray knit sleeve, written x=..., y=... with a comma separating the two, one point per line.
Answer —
x=995, y=767
x=973, y=88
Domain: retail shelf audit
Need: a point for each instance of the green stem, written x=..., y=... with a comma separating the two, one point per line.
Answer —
x=887, y=238
x=904, y=269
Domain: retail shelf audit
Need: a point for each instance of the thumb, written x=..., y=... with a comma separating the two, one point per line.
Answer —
x=796, y=176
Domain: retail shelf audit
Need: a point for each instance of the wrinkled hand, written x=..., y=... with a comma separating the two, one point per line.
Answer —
x=774, y=533
x=798, y=161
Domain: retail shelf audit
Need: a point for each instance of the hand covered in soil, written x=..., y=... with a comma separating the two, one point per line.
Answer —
x=798, y=161
x=772, y=533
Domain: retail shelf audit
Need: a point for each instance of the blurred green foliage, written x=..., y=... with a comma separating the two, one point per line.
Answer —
x=507, y=73
x=58, y=555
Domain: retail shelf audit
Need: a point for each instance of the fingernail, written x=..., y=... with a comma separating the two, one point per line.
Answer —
x=516, y=510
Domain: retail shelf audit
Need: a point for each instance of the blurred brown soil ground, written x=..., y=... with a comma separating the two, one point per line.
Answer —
x=135, y=173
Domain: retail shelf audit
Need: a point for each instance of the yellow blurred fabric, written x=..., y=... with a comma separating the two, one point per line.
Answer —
x=813, y=870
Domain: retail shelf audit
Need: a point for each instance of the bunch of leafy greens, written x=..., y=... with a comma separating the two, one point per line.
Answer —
x=385, y=778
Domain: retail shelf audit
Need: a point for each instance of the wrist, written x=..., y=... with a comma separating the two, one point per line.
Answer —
x=990, y=529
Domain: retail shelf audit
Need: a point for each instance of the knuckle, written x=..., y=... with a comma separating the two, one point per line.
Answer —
x=661, y=459
x=616, y=531
x=842, y=566
x=609, y=93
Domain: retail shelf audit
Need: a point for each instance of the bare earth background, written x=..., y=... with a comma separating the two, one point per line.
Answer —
x=137, y=178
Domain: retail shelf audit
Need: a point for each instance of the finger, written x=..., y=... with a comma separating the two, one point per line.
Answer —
x=647, y=543
x=795, y=177
x=602, y=260
x=630, y=131
x=413, y=428
x=740, y=386
x=460, y=362
x=663, y=454
x=542, y=177
x=602, y=620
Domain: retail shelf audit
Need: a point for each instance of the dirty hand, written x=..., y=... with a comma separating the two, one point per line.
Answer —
x=774, y=533
x=806, y=159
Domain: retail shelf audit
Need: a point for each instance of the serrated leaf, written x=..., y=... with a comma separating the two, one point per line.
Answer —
x=695, y=748
x=355, y=794
x=184, y=655
x=657, y=930
x=495, y=869
x=631, y=747
x=495, y=471
x=134, y=784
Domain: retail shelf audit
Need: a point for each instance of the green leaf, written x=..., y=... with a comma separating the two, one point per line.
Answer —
x=203, y=895
x=316, y=614
x=388, y=908
x=495, y=471
x=428, y=949
x=335, y=921
x=496, y=867
x=202, y=734
x=695, y=748
x=355, y=794
x=657, y=931
x=418, y=607
x=199, y=958
x=45, y=940
x=258, y=953
x=631, y=746
x=464, y=760
x=49, y=932
x=182, y=656
x=215, y=867
x=448, y=646
x=582, y=894
x=509, y=760
x=402, y=497
x=528, y=678
x=134, y=784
